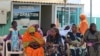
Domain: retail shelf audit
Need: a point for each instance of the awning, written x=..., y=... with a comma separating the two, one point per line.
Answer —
x=41, y=1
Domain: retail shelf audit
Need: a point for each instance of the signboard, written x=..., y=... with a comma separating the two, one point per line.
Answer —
x=26, y=14
x=3, y=16
x=26, y=11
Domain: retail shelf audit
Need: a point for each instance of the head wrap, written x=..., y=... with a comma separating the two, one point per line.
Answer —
x=31, y=29
x=91, y=30
x=82, y=17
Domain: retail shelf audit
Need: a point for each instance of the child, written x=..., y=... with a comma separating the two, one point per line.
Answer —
x=14, y=36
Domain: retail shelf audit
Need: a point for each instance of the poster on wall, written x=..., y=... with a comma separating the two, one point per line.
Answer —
x=3, y=16
x=26, y=14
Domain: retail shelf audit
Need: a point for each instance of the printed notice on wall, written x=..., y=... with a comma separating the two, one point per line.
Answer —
x=3, y=16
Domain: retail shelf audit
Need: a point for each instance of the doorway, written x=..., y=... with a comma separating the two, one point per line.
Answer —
x=46, y=17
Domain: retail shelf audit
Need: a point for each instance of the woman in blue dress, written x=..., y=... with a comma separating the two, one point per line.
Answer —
x=75, y=42
x=14, y=36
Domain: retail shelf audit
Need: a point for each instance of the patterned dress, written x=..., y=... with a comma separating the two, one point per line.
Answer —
x=57, y=47
x=75, y=40
x=15, y=40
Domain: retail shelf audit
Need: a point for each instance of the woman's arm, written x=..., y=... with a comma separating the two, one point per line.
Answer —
x=98, y=36
x=85, y=37
x=20, y=37
x=8, y=37
x=39, y=40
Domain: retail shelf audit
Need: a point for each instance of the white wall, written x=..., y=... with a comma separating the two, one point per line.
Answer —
x=6, y=5
x=74, y=1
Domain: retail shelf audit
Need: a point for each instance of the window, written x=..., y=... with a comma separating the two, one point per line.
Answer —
x=68, y=15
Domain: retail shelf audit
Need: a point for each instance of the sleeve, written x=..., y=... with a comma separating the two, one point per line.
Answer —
x=11, y=29
x=85, y=37
x=98, y=35
x=41, y=31
x=83, y=27
x=25, y=40
x=8, y=36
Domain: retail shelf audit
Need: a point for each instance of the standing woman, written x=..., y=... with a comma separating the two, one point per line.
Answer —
x=83, y=24
x=14, y=36
x=92, y=38
x=55, y=44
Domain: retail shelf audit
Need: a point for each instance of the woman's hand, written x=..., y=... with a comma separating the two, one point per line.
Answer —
x=34, y=45
x=50, y=44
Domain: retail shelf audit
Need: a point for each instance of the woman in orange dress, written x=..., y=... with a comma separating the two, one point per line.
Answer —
x=33, y=42
x=83, y=24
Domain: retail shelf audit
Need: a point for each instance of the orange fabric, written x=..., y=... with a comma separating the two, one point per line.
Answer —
x=30, y=51
x=83, y=24
x=34, y=52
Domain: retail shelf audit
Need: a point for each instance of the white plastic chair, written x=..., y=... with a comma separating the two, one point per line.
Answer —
x=2, y=46
x=13, y=52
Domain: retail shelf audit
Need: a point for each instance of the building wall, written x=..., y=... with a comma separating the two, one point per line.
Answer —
x=5, y=4
x=4, y=29
x=95, y=20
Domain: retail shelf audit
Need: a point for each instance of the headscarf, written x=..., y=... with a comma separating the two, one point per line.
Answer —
x=27, y=38
x=91, y=30
x=82, y=17
x=31, y=29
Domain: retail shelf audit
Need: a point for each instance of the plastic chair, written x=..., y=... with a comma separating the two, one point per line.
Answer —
x=2, y=44
x=13, y=52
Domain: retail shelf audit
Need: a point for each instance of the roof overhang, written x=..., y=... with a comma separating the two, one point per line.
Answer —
x=41, y=1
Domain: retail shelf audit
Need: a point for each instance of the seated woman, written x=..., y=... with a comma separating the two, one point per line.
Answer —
x=55, y=44
x=33, y=42
x=92, y=39
x=75, y=41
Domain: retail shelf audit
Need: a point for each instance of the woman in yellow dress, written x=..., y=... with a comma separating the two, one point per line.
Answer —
x=33, y=42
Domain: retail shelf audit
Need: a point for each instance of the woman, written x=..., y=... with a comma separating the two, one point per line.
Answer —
x=75, y=42
x=51, y=26
x=14, y=36
x=55, y=44
x=92, y=38
x=38, y=29
x=83, y=24
x=33, y=42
